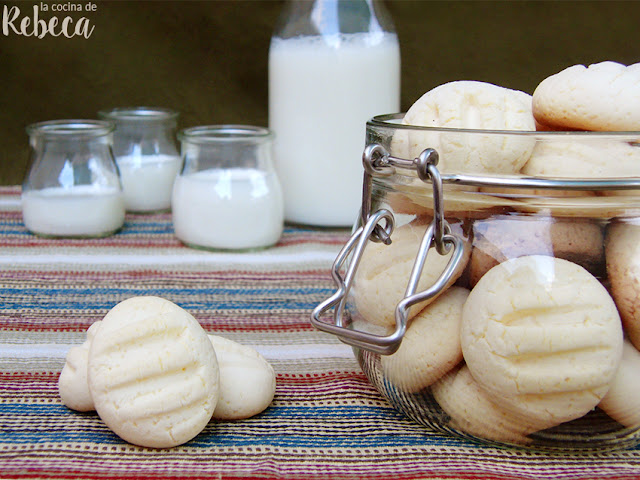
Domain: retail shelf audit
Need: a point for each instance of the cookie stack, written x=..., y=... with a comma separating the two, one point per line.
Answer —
x=539, y=324
x=156, y=378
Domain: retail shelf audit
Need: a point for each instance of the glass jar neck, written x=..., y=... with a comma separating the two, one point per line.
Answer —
x=143, y=131
x=67, y=153
x=70, y=129
x=153, y=118
x=70, y=132
x=333, y=17
x=226, y=147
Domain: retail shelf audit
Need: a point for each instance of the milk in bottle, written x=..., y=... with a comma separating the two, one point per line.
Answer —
x=333, y=64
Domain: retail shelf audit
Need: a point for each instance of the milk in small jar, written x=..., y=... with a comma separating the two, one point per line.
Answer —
x=227, y=196
x=72, y=188
x=146, y=154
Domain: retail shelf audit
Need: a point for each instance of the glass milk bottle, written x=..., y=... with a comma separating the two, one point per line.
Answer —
x=333, y=64
x=72, y=188
x=227, y=196
x=147, y=155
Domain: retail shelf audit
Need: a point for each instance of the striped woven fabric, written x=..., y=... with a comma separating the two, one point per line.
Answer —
x=326, y=421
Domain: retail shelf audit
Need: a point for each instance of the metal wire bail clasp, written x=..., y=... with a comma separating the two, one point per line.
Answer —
x=377, y=162
x=354, y=246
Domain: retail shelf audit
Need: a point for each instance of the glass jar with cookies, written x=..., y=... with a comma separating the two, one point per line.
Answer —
x=491, y=287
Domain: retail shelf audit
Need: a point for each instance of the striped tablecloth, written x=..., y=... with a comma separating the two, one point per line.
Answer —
x=326, y=421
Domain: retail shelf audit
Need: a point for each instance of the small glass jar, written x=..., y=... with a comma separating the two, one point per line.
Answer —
x=147, y=155
x=227, y=196
x=499, y=306
x=72, y=188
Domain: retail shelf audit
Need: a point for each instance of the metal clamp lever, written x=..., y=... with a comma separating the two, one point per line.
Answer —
x=411, y=297
x=355, y=246
x=377, y=162
x=384, y=345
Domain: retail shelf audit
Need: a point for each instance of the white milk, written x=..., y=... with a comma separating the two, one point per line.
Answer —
x=147, y=181
x=235, y=208
x=83, y=210
x=320, y=99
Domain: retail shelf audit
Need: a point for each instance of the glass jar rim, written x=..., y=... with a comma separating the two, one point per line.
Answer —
x=514, y=180
x=139, y=114
x=208, y=134
x=392, y=120
x=70, y=128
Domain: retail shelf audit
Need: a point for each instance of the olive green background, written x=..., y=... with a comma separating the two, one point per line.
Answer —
x=208, y=59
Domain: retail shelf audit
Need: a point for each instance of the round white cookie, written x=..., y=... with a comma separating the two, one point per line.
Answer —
x=416, y=198
x=622, y=252
x=583, y=158
x=583, y=206
x=382, y=276
x=472, y=410
x=508, y=236
x=153, y=373
x=430, y=346
x=602, y=96
x=543, y=336
x=622, y=401
x=471, y=105
x=73, y=385
x=247, y=380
